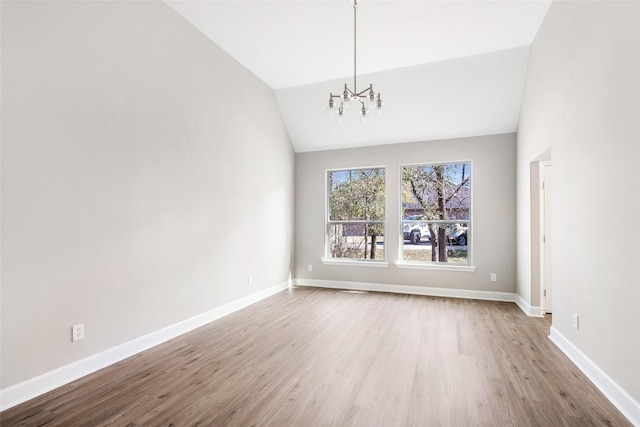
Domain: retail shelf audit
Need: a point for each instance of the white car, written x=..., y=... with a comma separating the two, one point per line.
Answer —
x=415, y=232
x=457, y=234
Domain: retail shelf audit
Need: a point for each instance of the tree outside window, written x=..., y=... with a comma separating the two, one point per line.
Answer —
x=356, y=214
x=436, y=213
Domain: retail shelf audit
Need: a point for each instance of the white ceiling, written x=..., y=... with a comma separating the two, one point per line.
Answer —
x=445, y=69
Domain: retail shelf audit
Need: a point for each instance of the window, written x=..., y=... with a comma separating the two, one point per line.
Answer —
x=436, y=213
x=356, y=214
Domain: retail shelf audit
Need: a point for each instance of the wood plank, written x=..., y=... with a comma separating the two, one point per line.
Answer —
x=320, y=357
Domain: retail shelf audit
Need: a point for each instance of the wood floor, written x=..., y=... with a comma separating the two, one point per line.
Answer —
x=317, y=357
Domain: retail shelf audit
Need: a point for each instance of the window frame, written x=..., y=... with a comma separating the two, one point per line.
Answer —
x=431, y=265
x=327, y=259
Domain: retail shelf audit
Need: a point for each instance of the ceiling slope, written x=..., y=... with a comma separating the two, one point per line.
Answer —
x=476, y=95
x=444, y=68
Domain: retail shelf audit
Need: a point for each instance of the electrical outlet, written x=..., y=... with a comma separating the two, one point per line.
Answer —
x=310, y=267
x=250, y=281
x=77, y=332
x=576, y=321
x=494, y=277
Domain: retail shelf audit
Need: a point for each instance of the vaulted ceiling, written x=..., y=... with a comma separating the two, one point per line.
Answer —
x=445, y=69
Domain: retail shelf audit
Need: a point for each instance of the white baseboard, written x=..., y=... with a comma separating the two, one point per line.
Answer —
x=529, y=310
x=48, y=381
x=403, y=289
x=626, y=404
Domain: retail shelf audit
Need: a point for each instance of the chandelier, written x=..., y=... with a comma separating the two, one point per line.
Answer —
x=366, y=97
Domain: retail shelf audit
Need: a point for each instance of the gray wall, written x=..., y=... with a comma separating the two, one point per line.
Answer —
x=582, y=100
x=494, y=205
x=145, y=175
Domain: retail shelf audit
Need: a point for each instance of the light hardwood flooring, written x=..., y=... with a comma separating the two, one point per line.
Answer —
x=319, y=357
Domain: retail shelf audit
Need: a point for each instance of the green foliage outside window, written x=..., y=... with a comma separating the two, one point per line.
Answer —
x=356, y=205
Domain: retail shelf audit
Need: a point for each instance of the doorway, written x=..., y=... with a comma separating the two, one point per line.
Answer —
x=546, y=289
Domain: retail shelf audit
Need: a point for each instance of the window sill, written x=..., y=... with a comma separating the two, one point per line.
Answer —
x=441, y=267
x=355, y=262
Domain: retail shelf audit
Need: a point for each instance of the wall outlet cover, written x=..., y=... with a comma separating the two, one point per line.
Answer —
x=77, y=332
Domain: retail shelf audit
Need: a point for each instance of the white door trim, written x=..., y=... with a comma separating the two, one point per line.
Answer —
x=545, y=239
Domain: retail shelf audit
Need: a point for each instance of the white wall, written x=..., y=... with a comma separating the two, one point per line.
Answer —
x=582, y=99
x=145, y=175
x=493, y=169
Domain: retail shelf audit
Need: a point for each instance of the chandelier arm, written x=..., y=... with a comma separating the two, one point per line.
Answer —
x=361, y=92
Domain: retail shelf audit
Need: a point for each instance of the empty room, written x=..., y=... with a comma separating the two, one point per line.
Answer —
x=320, y=213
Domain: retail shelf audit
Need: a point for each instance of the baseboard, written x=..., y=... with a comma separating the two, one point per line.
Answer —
x=21, y=392
x=529, y=310
x=626, y=404
x=403, y=289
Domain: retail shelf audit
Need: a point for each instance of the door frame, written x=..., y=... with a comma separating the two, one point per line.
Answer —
x=544, y=286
